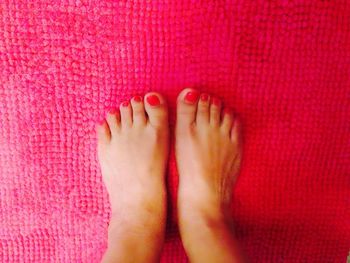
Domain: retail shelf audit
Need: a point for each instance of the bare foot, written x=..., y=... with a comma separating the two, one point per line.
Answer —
x=208, y=154
x=208, y=150
x=132, y=151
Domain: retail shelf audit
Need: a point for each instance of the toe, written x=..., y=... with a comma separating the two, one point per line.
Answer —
x=113, y=120
x=215, y=110
x=138, y=111
x=126, y=114
x=203, y=109
x=103, y=133
x=227, y=120
x=156, y=109
x=236, y=131
x=187, y=106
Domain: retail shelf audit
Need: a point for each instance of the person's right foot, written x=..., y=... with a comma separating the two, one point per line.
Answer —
x=133, y=151
x=208, y=154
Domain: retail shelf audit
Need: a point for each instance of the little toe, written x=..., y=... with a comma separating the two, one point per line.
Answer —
x=156, y=109
x=236, y=132
x=113, y=120
x=215, y=110
x=103, y=133
x=138, y=111
x=126, y=114
x=227, y=120
x=187, y=106
x=203, y=109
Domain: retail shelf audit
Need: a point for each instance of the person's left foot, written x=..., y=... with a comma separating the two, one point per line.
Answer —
x=208, y=154
x=132, y=151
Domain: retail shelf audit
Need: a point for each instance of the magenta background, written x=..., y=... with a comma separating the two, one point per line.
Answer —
x=284, y=66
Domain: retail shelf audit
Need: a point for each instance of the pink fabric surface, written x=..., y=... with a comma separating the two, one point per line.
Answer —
x=284, y=66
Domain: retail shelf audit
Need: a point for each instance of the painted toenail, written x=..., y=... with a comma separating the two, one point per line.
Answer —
x=216, y=101
x=101, y=121
x=227, y=111
x=192, y=96
x=137, y=99
x=125, y=104
x=112, y=111
x=204, y=97
x=153, y=100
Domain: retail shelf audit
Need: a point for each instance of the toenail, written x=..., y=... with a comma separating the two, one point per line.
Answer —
x=226, y=111
x=101, y=121
x=125, y=104
x=192, y=96
x=153, y=100
x=112, y=111
x=137, y=99
x=204, y=97
x=216, y=101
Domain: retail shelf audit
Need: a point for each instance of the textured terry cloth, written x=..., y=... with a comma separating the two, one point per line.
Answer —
x=284, y=66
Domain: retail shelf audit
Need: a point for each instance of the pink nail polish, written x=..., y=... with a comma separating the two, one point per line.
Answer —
x=192, y=96
x=101, y=121
x=125, y=104
x=137, y=99
x=113, y=110
x=204, y=97
x=227, y=111
x=216, y=101
x=153, y=100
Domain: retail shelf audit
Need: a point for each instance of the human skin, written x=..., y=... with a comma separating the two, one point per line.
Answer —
x=133, y=151
x=133, y=145
x=208, y=153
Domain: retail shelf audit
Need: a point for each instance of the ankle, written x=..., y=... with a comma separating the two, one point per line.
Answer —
x=147, y=228
x=210, y=218
x=205, y=207
x=205, y=227
x=142, y=242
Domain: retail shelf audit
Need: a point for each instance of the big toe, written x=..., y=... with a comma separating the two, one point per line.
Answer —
x=156, y=109
x=187, y=106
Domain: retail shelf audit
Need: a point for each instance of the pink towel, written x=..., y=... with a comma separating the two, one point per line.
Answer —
x=284, y=66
